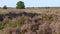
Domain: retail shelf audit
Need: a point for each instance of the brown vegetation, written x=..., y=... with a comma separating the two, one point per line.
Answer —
x=47, y=22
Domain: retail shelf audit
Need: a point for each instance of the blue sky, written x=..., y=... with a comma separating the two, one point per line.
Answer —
x=31, y=3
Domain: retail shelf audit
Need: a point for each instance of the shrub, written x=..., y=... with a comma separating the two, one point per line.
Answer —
x=18, y=22
x=2, y=25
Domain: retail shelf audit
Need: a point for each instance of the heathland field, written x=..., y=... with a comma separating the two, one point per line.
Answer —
x=30, y=21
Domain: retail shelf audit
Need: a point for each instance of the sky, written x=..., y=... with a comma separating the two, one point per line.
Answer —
x=31, y=3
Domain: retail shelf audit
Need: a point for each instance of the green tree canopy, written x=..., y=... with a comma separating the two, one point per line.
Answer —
x=20, y=5
x=4, y=7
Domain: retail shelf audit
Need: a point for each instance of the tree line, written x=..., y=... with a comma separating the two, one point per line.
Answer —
x=19, y=5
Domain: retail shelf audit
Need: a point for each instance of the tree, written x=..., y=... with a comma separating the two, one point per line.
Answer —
x=4, y=7
x=20, y=5
x=0, y=7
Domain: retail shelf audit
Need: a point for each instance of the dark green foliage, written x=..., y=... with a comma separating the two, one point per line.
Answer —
x=20, y=5
x=4, y=7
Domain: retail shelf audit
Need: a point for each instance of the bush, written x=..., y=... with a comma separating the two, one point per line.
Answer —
x=18, y=22
x=2, y=25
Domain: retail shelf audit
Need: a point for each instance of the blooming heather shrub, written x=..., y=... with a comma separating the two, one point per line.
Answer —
x=2, y=25
x=17, y=22
x=42, y=24
x=40, y=27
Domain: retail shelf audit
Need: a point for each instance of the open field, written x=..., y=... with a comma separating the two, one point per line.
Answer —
x=49, y=11
x=30, y=21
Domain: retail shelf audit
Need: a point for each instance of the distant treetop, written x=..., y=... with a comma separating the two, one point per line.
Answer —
x=4, y=7
x=20, y=5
